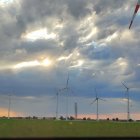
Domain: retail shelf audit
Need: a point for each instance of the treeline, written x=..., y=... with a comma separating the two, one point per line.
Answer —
x=69, y=118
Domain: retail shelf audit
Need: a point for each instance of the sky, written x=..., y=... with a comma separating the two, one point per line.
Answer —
x=42, y=41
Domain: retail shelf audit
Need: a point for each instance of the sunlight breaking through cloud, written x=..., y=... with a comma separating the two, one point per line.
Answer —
x=39, y=34
x=46, y=62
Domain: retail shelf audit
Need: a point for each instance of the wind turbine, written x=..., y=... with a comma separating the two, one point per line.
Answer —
x=57, y=101
x=9, y=107
x=9, y=104
x=57, y=93
x=67, y=89
x=128, y=108
x=97, y=102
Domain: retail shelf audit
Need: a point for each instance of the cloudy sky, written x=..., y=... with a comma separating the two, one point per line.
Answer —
x=41, y=41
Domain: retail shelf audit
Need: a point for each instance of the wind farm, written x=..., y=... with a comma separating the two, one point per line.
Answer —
x=69, y=68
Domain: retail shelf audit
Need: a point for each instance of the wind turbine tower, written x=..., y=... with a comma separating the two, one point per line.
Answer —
x=76, y=110
x=97, y=104
x=128, y=104
x=57, y=103
x=9, y=107
x=66, y=89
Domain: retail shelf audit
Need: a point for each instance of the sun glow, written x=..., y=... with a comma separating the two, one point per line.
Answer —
x=39, y=34
x=90, y=35
x=64, y=57
x=122, y=62
x=4, y=112
x=111, y=37
x=4, y=3
x=45, y=63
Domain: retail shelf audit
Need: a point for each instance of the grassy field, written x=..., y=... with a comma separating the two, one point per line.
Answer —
x=46, y=128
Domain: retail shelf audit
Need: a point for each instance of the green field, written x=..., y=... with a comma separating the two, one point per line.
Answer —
x=46, y=128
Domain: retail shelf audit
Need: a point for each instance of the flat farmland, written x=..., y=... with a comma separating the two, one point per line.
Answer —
x=13, y=128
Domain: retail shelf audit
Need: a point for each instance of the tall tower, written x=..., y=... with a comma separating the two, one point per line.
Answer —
x=75, y=107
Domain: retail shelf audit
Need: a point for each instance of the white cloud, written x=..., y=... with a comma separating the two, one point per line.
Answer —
x=46, y=62
x=4, y=3
x=39, y=34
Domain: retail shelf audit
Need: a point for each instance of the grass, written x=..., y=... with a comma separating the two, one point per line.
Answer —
x=45, y=128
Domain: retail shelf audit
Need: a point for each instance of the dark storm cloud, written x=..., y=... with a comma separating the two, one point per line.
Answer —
x=41, y=46
x=33, y=81
x=79, y=8
x=35, y=10
x=103, y=7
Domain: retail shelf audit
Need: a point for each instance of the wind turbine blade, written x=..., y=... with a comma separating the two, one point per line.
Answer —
x=135, y=12
x=63, y=89
x=93, y=101
x=56, y=90
x=67, y=81
x=96, y=93
x=59, y=90
x=132, y=20
x=71, y=90
x=53, y=97
x=124, y=85
x=101, y=99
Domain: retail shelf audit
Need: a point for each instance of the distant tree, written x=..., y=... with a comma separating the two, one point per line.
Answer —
x=84, y=118
x=113, y=119
x=28, y=117
x=107, y=119
x=130, y=120
x=62, y=118
x=44, y=118
x=88, y=118
x=117, y=119
x=19, y=117
x=34, y=117
x=71, y=118
x=54, y=118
